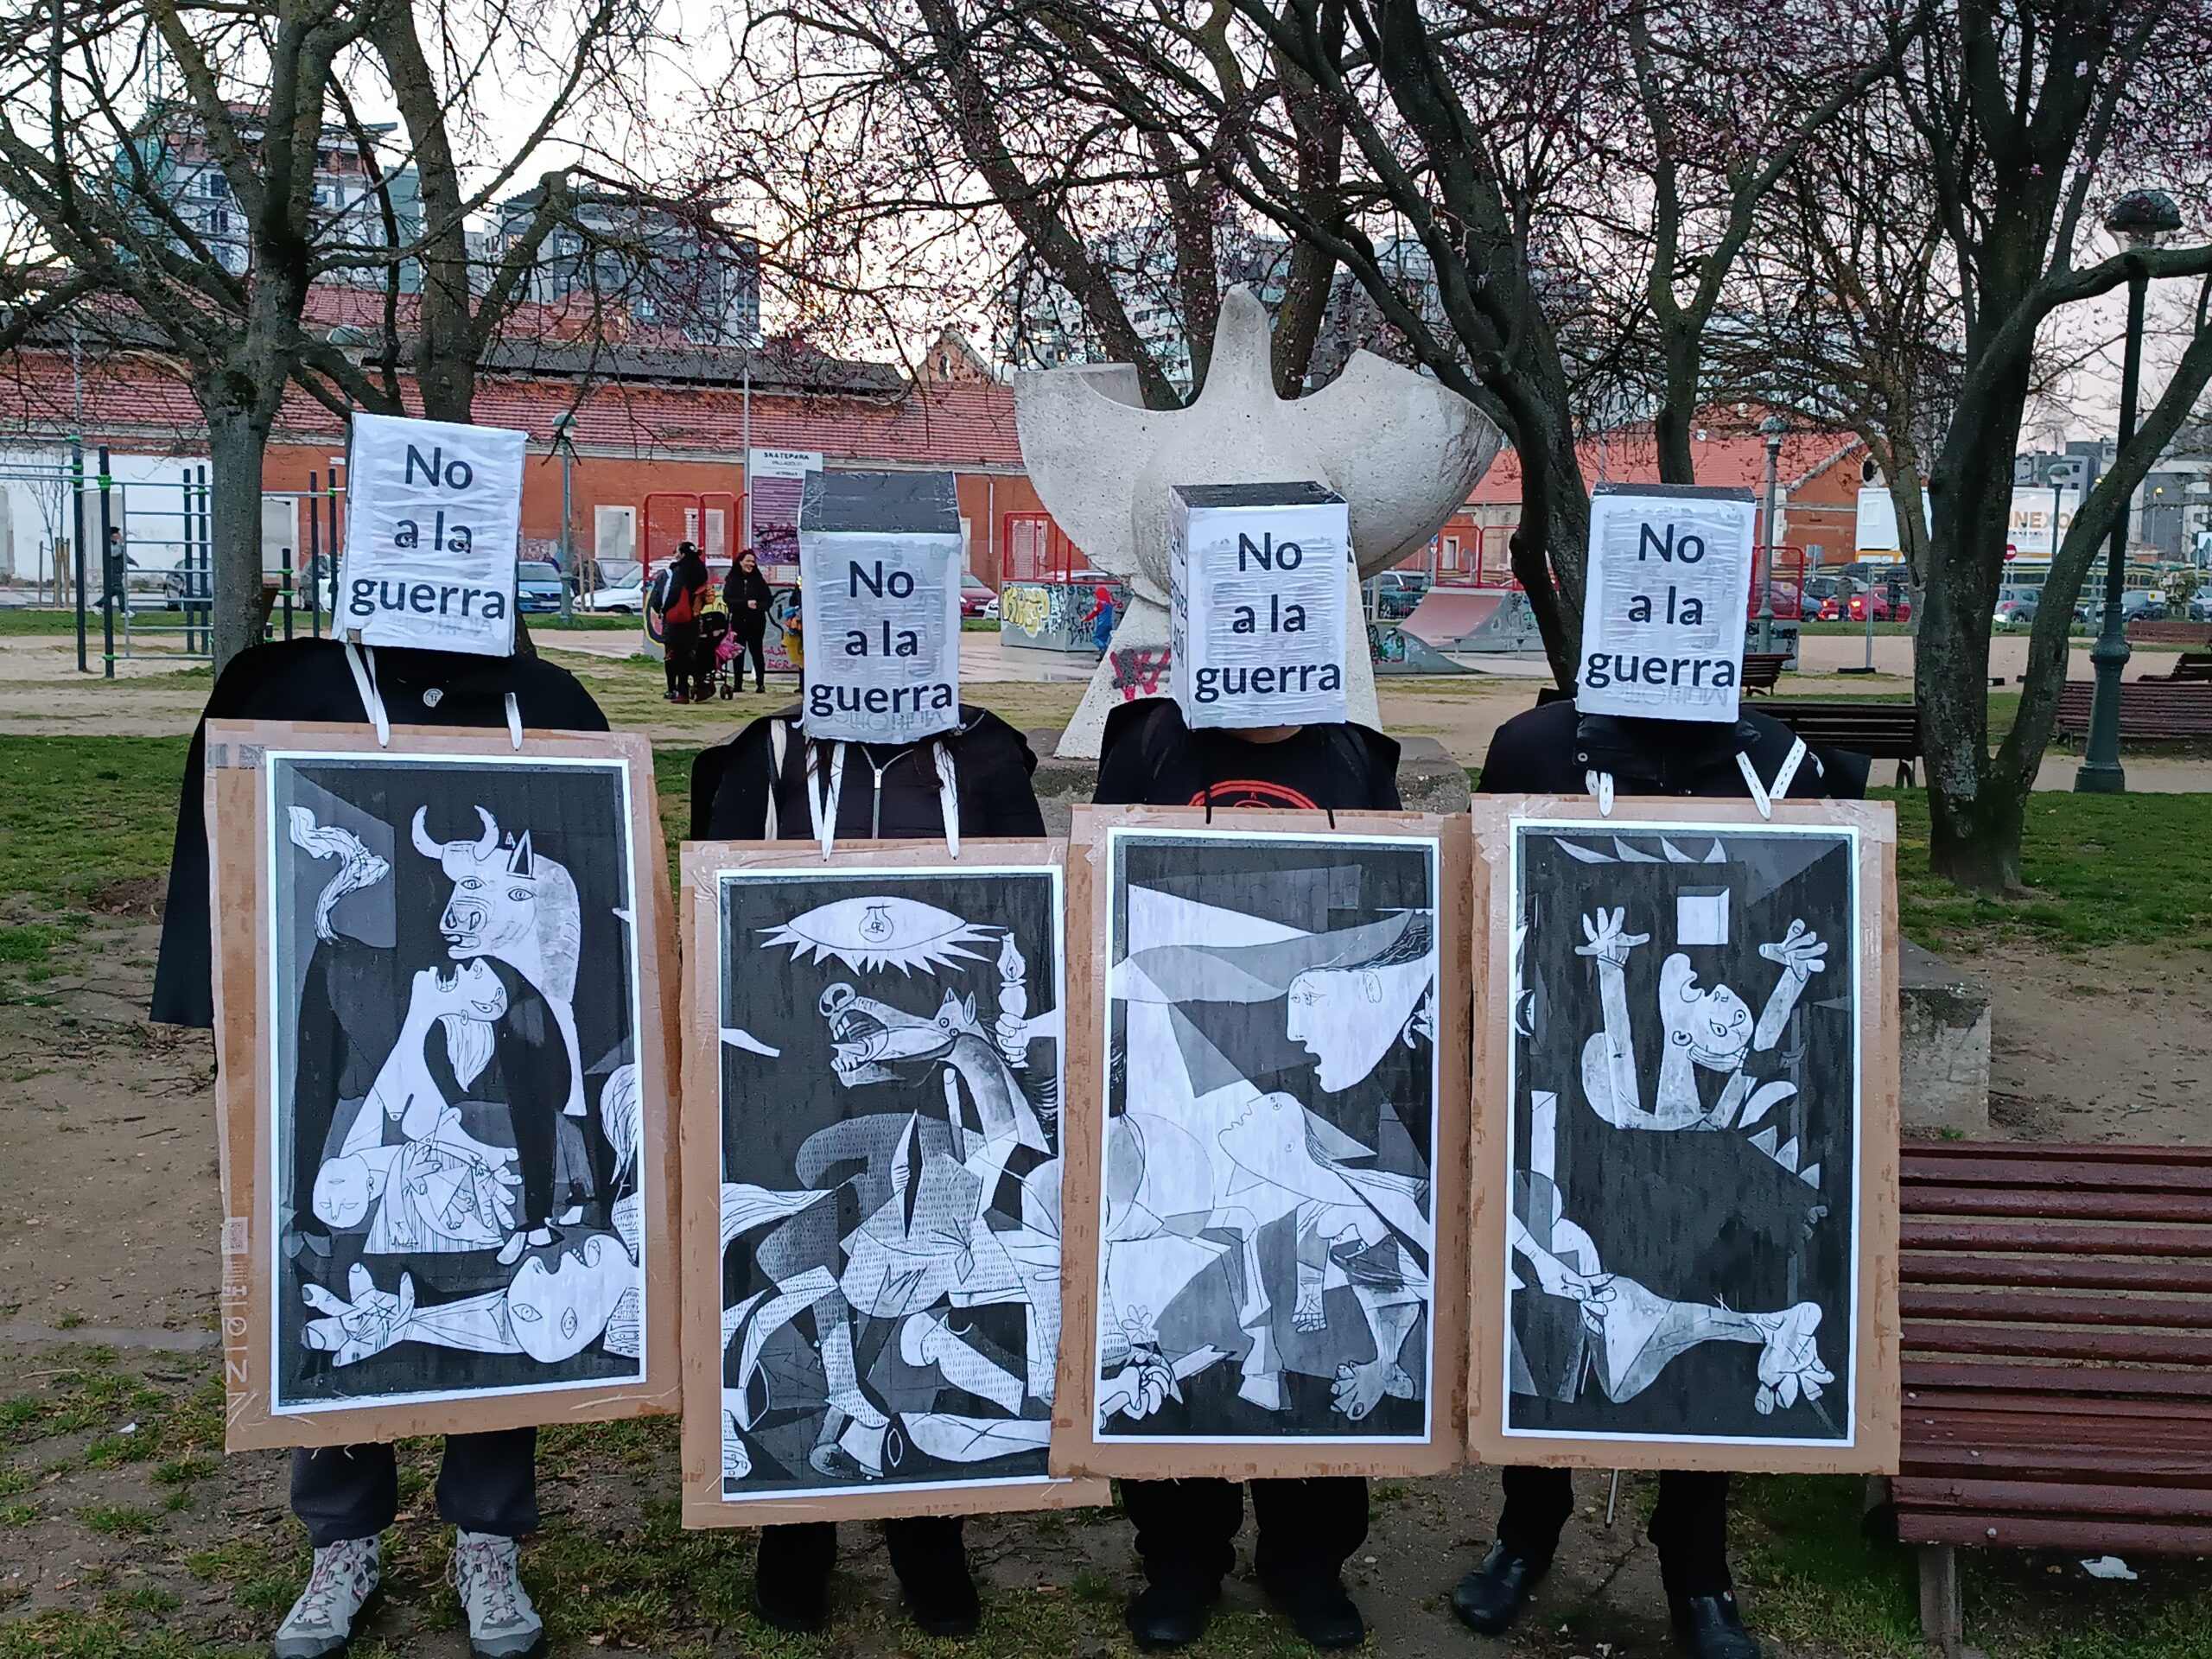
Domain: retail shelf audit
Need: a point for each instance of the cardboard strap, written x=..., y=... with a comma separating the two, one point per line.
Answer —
x=948, y=793
x=779, y=742
x=1600, y=783
x=365, y=681
x=514, y=721
x=824, y=811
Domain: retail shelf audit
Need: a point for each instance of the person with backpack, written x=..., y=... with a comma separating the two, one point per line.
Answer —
x=677, y=593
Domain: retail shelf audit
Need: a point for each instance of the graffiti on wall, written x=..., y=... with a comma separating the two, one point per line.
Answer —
x=1140, y=671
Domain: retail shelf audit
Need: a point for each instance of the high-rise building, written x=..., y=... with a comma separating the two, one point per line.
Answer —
x=350, y=193
x=669, y=270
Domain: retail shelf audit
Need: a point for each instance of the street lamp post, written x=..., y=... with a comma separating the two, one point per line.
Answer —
x=561, y=423
x=2138, y=220
x=1773, y=429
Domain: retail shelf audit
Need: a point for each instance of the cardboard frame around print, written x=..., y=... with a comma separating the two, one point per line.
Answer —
x=428, y=1330
x=915, y=1023
x=1687, y=982
x=1324, y=1335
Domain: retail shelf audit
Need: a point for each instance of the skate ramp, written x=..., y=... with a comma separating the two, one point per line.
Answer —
x=1457, y=620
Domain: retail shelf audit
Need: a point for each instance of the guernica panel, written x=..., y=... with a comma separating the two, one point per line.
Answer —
x=886, y=1109
x=454, y=1185
x=1691, y=1039
x=1273, y=1027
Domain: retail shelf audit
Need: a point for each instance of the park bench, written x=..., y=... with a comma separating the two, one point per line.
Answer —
x=2191, y=667
x=1762, y=669
x=2056, y=1303
x=2152, y=708
x=2170, y=632
x=1880, y=731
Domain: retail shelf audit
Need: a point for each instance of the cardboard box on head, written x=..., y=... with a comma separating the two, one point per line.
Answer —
x=1664, y=610
x=879, y=556
x=1259, y=593
x=433, y=523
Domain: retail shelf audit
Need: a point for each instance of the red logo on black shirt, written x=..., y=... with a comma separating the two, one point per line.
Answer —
x=1253, y=791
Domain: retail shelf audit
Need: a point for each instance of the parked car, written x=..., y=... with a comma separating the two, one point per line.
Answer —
x=977, y=601
x=2141, y=605
x=1875, y=601
x=538, y=585
x=2200, y=606
x=2014, y=613
x=626, y=600
x=1818, y=590
x=1397, y=592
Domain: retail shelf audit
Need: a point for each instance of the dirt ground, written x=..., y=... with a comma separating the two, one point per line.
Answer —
x=117, y=1507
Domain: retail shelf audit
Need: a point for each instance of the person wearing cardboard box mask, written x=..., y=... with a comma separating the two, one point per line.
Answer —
x=1233, y=736
x=416, y=670
x=1656, y=712
x=879, y=748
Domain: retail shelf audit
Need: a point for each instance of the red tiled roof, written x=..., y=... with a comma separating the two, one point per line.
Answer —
x=958, y=424
x=1731, y=455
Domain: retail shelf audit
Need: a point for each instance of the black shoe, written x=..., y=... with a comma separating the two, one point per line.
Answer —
x=1317, y=1609
x=797, y=1604
x=1171, y=1614
x=1711, y=1628
x=946, y=1605
x=1489, y=1598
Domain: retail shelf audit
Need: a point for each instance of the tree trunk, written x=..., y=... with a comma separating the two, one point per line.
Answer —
x=236, y=439
x=1975, y=840
x=1677, y=411
x=1980, y=810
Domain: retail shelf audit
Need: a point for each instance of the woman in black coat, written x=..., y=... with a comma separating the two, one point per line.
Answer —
x=748, y=596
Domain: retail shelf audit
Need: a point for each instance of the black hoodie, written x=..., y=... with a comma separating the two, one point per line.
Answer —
x=308, y=680
x=991, y=762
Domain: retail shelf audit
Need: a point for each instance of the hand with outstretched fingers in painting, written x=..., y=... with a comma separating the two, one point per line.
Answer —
x=1800, y=951
x=367, y=1324
x=1609, y=941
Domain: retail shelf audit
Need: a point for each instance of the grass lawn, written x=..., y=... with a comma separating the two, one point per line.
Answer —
x=2103, y=869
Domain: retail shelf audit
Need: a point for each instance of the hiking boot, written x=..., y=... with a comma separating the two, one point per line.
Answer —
x=340, y=1590
x=502, y=1624
x=1171, y=1614
x=1488, y=1599
x=1318, y=1608
x=1711, y=1628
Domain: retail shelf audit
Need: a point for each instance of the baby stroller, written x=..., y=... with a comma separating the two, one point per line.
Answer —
x=717, y=646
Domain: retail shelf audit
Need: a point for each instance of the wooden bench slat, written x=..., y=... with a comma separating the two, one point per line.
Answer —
x=2064, y=1204
x=2077, y=1416
x=2058, y=1430
x=2175, y=1348
x=2042, y=1496
x=1944, y=1233
x=1919, y=1153
x=2146, y=1387
x=1985, y=1306
x=2022, y=1174
x=2098, y=1535
x=2055, y=1271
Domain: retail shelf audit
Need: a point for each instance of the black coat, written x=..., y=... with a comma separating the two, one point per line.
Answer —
x=1148, y=757
x=741, y=586
x=308, y=680
x=992, y=763
x=1551, y=749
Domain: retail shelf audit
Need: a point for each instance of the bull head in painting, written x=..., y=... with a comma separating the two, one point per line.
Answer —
x=508, y=902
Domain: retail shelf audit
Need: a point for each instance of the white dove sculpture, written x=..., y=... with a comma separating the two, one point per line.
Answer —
x=1402, y=450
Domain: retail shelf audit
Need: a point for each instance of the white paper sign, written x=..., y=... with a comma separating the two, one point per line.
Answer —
x=880, y=604
x=1259, y=584
x=1664, y=606
x=433, y=523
